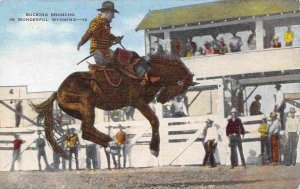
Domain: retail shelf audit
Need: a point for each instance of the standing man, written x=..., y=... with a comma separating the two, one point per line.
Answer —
x=234, y=130
x=280, y=104
x=91, y=155
x=16, y=150
x=210, y=136
x=288, y=37
x=40, y=146
x=292, y=133
x=19, y=110
x=264, y=140
x=274, y=135
x=73, y=144
x=121, y=139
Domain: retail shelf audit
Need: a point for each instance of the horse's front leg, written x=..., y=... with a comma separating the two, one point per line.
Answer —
x=150, y=115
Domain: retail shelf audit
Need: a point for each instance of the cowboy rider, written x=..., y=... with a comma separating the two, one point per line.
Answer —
x=101, y=40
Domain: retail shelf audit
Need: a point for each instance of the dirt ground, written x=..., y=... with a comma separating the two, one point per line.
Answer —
x=273, y=177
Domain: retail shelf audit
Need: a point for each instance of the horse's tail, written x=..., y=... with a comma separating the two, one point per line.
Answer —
x=45, y=111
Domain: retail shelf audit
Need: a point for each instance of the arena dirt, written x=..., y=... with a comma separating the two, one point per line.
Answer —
x=273, y=177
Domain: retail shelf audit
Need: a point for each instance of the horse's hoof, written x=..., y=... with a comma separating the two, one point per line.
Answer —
x=155, y=153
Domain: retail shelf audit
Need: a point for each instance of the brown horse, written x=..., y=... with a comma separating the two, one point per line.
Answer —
x=78, y=97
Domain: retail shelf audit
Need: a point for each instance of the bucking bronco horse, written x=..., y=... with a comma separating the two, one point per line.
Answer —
x=111, y=89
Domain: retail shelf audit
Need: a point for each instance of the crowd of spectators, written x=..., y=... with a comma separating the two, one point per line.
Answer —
x=218, y=45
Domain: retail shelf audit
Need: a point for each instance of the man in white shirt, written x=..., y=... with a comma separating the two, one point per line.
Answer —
x=292, y=133
x=280, y=104
x=210, y=136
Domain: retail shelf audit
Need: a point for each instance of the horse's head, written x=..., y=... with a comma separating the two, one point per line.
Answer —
x=176, y=78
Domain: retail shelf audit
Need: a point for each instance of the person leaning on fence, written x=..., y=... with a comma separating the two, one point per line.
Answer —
x=264, y=141
x=223, y=47
x=255, y=106
x=292, y=132
x=274, y=130
x=234, y=130
x=210, y=136
x=40, y=146
x=16, y=150
x=121, y=139
x=288, y=37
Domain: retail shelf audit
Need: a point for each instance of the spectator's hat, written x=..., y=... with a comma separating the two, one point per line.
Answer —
x=39, y=132
x=209, y=121
x=233, y=110
x=277, y=86
x=17, y=135
x=273, y=114
x=108, y=5
x=257, y=97
x=292, y=110
x=72, y=129
x=264, y=118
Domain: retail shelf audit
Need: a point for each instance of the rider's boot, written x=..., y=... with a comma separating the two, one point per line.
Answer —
x=142, y=70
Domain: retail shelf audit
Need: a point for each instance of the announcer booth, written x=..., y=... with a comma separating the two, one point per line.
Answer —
x=232, y=79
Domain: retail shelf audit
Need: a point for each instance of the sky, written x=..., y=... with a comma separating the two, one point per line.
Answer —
x=41, y=54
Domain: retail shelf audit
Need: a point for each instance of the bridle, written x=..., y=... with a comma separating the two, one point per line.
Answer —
x=179, y=83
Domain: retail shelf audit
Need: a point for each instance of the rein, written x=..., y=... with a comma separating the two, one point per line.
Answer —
x=108, y=78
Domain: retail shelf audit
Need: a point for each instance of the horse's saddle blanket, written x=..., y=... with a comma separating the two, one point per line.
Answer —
x=123, y=61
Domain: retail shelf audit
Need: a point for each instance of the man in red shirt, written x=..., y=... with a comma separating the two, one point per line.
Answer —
x=234, y=130
x=16, y=150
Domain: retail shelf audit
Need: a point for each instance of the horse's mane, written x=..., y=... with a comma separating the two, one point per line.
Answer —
x=165, y=60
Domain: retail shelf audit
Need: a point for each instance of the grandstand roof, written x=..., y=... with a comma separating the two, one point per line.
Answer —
x=214, y=11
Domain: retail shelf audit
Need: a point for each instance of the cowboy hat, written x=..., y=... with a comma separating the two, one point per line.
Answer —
x=108, y=5
x=233, y=110
x=292, y=110
x=209, y=121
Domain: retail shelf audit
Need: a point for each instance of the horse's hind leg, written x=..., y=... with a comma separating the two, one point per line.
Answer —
x=85, y=111
x=89, y=132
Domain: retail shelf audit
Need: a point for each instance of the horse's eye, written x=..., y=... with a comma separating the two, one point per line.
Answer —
x=180, y=83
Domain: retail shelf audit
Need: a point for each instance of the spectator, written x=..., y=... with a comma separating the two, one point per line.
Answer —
x=223, y=47
x=200, y=52
x=56, y=159
x=19, y=110
x=210, y=136
x=179, y=107
x=292, y=133
x=234, y=130
x=159, y=50
x=252, y=40
x=175, y=48
x=73, y=145
x=16, y=150
x=129, y=112
x=275, y=43
x=280, y=104
x=190, y=47
x=121, y=139
x=40, y=146
x=264, y=140
x=91, y=155
x=274, y=129
x=215, y=43
x=235, y=43
x=288, y=37
x=208, y=49
x=255, y=106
